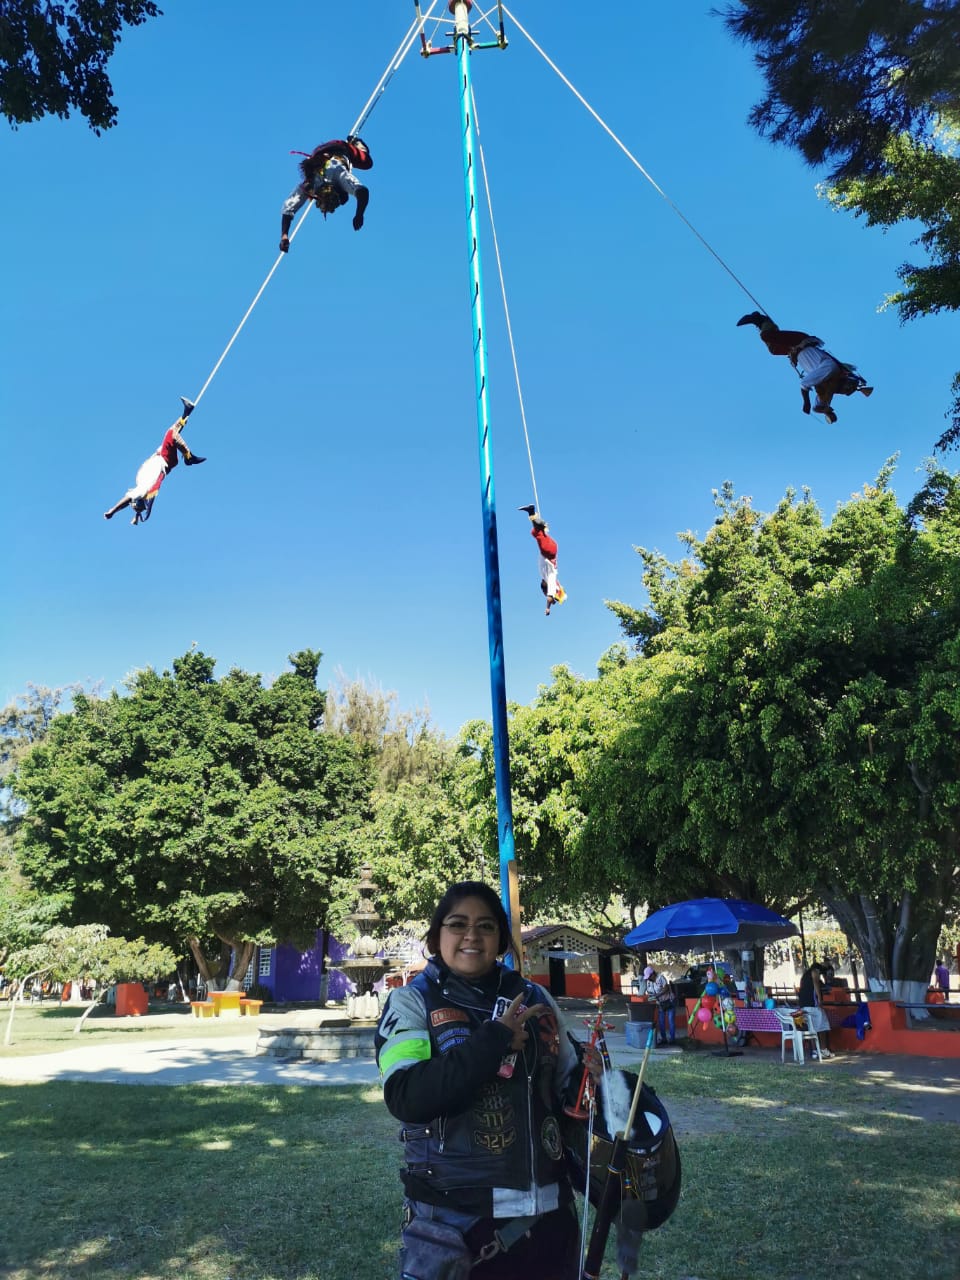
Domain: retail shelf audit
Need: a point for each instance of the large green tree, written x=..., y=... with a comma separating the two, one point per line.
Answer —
x=796, y=712
x=194, y=808
x=53, y=57
x=872, y=89
x=420, y=837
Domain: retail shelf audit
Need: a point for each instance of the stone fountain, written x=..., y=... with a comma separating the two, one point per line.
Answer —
x=364, y=967
x=338, y=1037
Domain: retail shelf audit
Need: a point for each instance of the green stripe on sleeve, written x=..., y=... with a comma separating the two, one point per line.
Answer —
x=403, y=1051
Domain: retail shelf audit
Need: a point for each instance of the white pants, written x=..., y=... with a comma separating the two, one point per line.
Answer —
x=819, y=373
x=151, y=471
x=548, y=575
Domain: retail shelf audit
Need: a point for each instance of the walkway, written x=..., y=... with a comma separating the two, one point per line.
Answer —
x=927, y=1088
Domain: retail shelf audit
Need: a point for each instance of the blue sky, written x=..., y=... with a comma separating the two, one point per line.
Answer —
x=339, y=508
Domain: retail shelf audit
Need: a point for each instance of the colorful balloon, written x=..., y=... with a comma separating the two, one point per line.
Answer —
x=704, y=1015
x=769, y=1003
x=711, y=988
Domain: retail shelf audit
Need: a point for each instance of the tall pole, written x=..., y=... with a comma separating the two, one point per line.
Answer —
x=509, y=892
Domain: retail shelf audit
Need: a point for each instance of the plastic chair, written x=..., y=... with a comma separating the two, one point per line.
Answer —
x=791, y=1034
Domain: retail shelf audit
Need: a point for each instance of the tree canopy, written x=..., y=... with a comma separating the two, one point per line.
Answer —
x=794, y=713
x=195, y=807
x=53, y=57
x=844, y=79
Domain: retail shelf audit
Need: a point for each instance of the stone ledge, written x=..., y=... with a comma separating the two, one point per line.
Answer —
x=325, y=1044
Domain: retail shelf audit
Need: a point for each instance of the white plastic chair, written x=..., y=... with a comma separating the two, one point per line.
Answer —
x=793, y=1035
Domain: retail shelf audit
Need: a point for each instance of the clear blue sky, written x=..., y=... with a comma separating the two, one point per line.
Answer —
x=339, y=508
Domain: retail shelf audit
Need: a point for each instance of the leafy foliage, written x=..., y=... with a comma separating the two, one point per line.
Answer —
x=792, y=718
x=843, y=79
x=53, y=57
x=195, y=807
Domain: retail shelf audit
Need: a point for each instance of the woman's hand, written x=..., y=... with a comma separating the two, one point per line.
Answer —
x=514, y=1019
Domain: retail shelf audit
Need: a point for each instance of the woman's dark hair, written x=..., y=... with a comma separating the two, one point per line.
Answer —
x=470, y=889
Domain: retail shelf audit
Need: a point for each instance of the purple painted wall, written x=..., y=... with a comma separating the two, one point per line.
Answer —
x=296, y=975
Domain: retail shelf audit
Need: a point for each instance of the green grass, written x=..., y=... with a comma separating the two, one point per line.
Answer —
x=792, y=1175
x=50, y=1028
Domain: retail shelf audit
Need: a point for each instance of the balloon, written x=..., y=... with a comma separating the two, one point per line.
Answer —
x=708, y=1002
x=727, y=1003
x=769, y=1003
x=703, y=1015
x=711, y=988
x=724, y=990
x=729, y=1017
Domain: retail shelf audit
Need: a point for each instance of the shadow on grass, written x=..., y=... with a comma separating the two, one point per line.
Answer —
x=301, y=1184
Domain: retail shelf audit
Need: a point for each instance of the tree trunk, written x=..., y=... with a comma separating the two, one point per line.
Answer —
x=201, y=962
x=897, y=938
x=14, y=999
x=84, y=1016
x=242, y=955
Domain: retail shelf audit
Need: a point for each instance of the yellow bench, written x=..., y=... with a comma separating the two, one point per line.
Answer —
x=202, y=1008
x=250, y=1008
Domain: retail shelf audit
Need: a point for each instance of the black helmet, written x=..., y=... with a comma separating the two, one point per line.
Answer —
x=652, y=1169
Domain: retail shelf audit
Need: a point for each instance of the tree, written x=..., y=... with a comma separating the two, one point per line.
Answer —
x=844, y=79
x=65, y=954
x=24, y=914
x=872, y=88
x=553, y=745
x=195, y=809
x=53, y=57
x=419, y=839
x=404, y=744
x=919, y=183
x=795, y=716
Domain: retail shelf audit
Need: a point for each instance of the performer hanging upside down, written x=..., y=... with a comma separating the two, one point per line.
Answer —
x=329, y=180
x=151, y=474
x=818, y=370
x=549, y=583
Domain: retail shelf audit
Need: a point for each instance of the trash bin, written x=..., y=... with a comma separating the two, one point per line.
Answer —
x=641, y=1010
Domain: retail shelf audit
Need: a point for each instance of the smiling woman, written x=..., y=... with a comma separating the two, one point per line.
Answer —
x=474, y=1063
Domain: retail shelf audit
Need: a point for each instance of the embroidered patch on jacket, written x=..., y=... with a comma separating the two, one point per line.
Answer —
x=440, y=1016
x=451, y=1037
x=550, y=1137
x=495, y=1121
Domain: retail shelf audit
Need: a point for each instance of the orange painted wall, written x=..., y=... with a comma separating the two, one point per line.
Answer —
x=889, y=1033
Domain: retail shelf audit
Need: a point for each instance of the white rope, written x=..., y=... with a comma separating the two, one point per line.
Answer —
x=584, y=1234
x=633, y=159
x=503, y=294
x=392, y=66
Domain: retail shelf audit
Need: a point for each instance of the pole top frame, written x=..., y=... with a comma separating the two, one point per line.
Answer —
x=460, y=9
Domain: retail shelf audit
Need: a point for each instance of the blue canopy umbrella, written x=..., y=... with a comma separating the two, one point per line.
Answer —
x=697, y=923
x=701, y=922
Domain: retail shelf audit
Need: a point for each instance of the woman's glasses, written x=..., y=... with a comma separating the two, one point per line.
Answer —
x=488, y=928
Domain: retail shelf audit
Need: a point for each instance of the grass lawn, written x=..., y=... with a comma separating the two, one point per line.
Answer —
x=789, y=1174
x=49, y=1028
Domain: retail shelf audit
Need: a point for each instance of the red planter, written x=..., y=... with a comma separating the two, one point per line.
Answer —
x=131, y=1000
